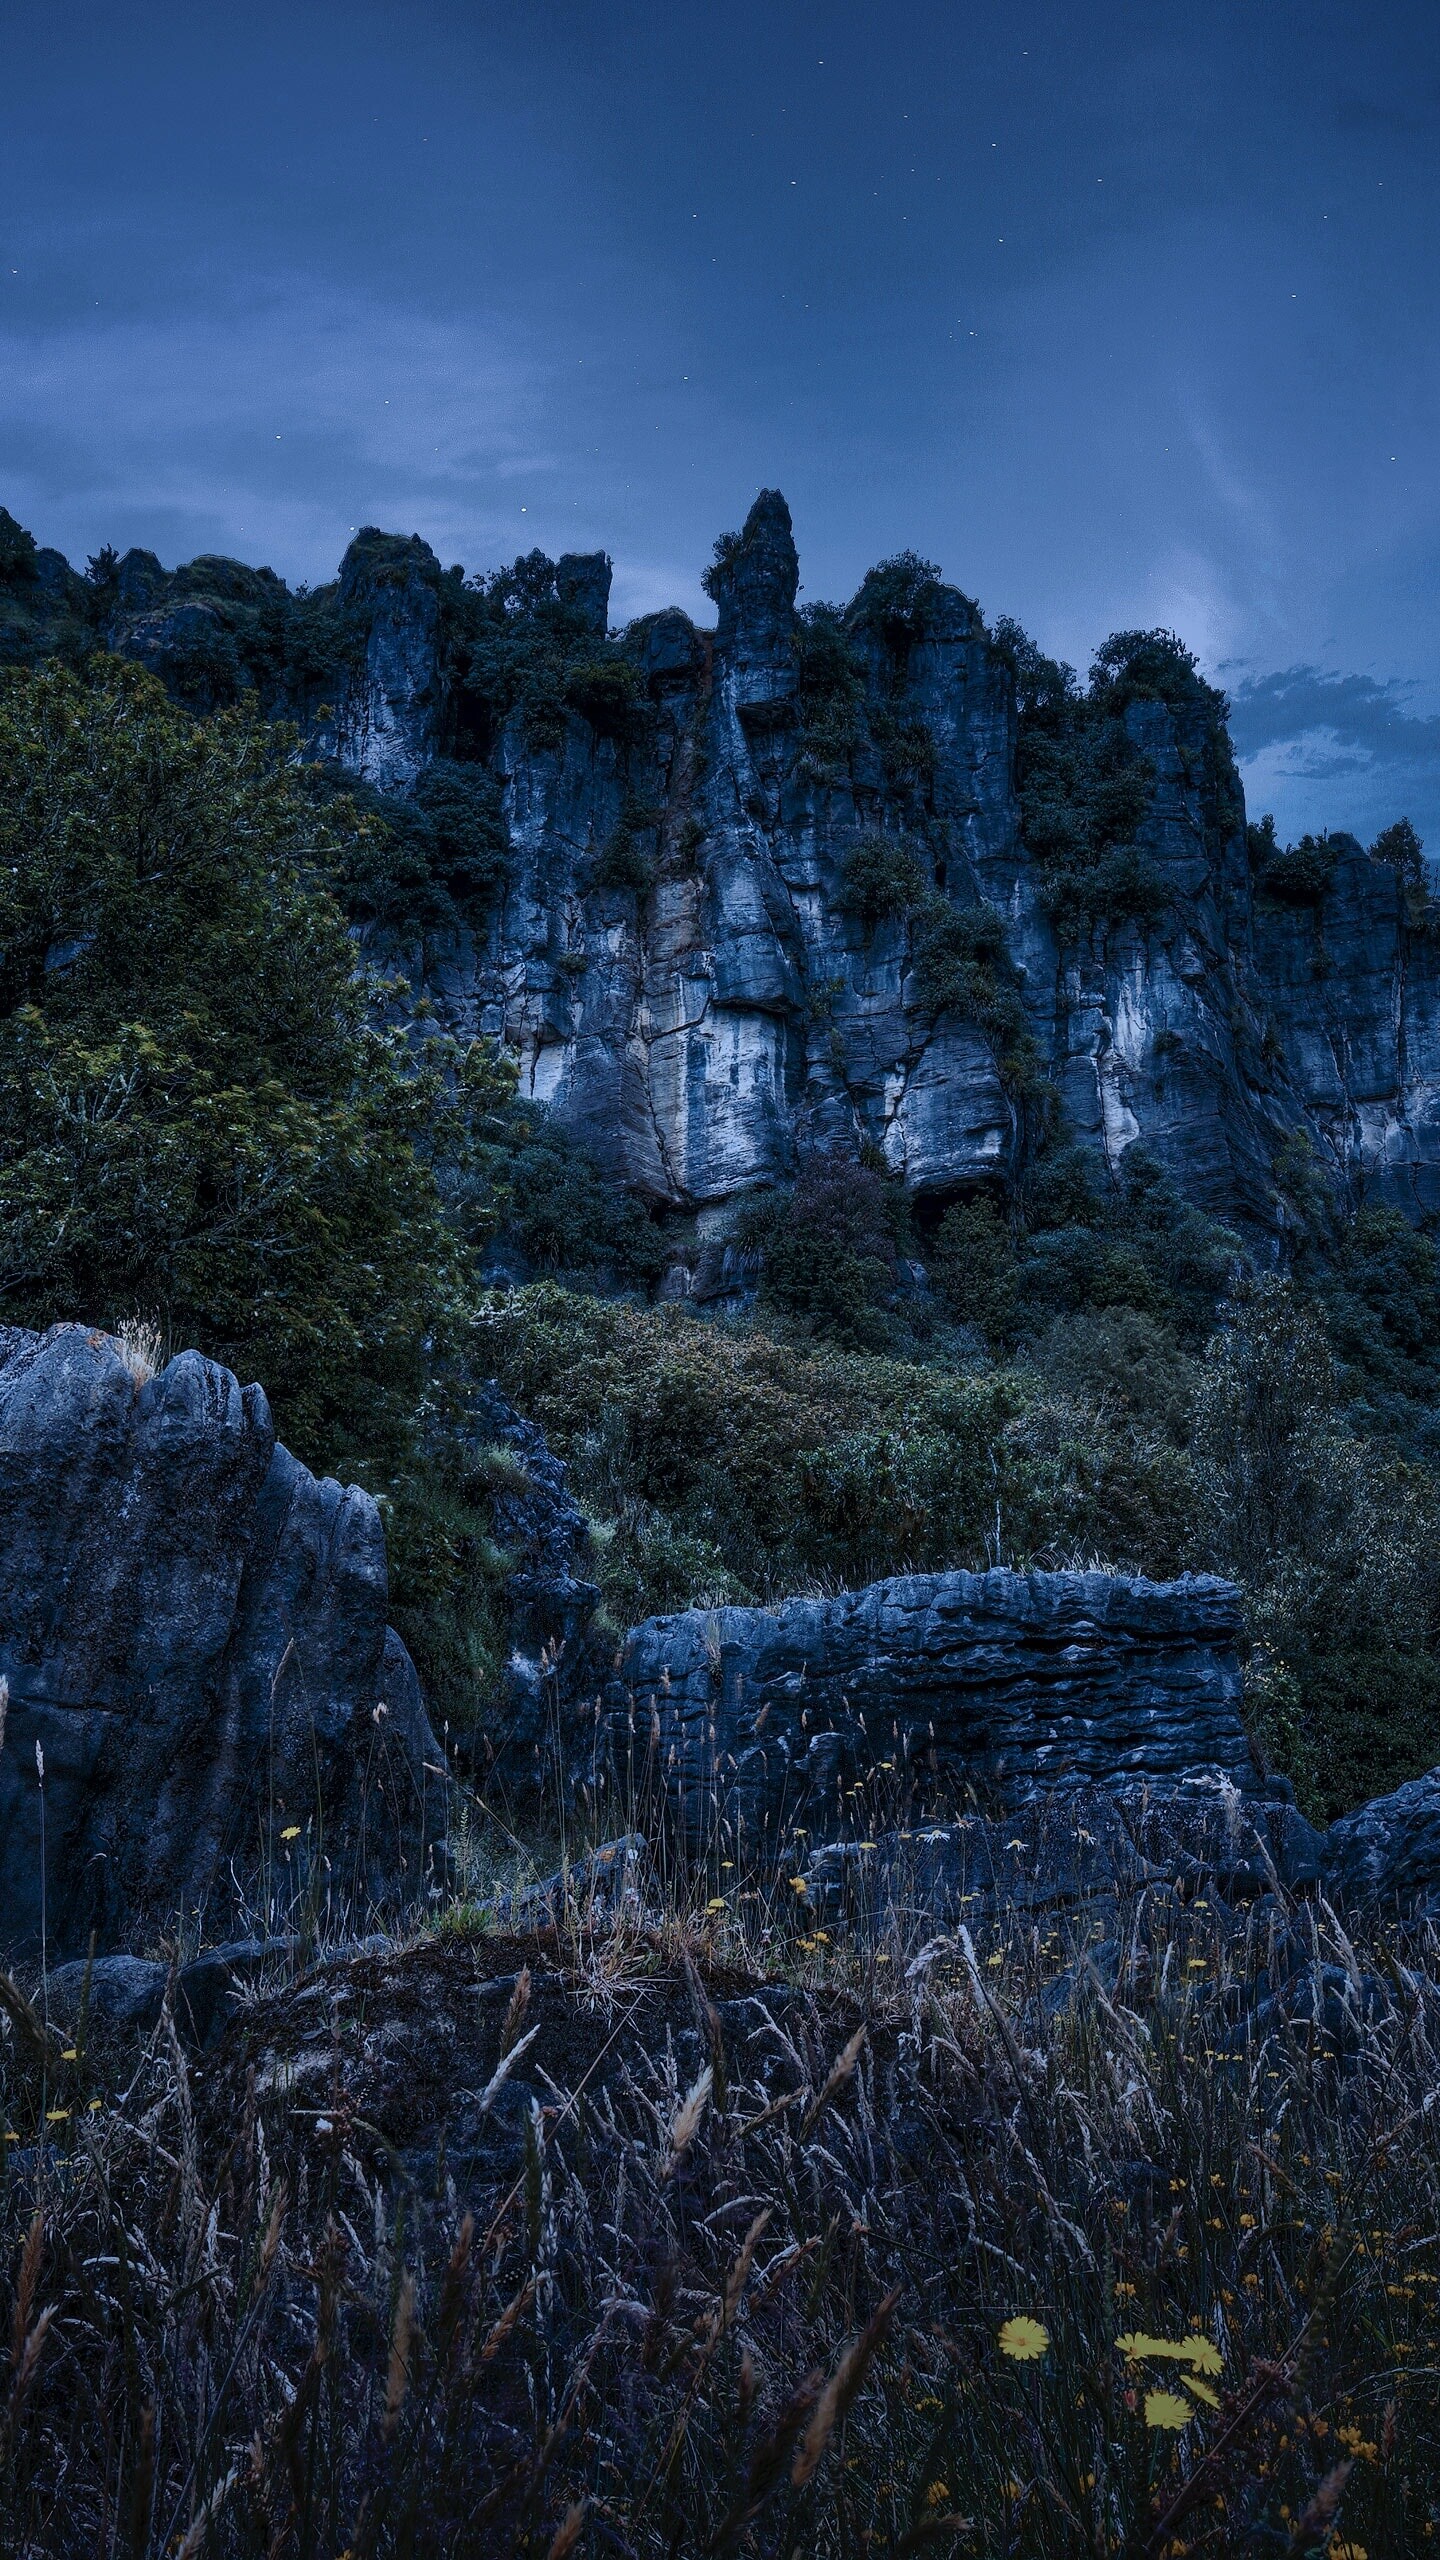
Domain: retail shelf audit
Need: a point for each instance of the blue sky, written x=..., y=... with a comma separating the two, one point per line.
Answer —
x=1124, y=314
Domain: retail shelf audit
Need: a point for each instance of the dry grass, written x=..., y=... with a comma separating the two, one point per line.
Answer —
x=141, y=1349
x=701, y=2238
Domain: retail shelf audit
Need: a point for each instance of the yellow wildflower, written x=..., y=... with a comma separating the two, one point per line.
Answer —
x=291, y=1831
x=1167, y=2409
x=718, y=1903
x=1024, y=2339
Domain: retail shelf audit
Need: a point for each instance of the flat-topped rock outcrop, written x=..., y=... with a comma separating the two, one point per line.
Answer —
x=1016, y=1685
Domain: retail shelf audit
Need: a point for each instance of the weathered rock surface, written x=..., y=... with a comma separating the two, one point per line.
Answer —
x=1017, y=1685
x=1387, y=1852
x=550, y=1600
x=1080, y=1850
x=193, y=1632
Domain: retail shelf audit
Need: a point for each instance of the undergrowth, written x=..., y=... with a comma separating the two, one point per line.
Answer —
x=711, y=2235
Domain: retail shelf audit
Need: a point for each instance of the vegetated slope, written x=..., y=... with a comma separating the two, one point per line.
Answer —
x=871, y=985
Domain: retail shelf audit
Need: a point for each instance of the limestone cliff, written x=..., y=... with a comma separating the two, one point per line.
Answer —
x=675, y=954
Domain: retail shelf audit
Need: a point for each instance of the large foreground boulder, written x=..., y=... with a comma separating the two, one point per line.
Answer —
x=1014, y=1685
x=193, y=1630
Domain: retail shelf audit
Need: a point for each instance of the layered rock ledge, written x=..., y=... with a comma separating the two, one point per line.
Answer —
x=1016, y=1685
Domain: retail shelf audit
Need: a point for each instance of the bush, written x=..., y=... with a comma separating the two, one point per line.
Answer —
x=549, y=1194
x=961, y=965
x=975, y=1269
x=829, y=1249
x=625, y=862
x=1294, y=875
x=1085, y=786
x=437, y=859
x=882, y=876
x=1333, y=1539
x=798, y=1465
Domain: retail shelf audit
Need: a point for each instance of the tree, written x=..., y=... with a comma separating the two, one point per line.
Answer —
x=198, y=1122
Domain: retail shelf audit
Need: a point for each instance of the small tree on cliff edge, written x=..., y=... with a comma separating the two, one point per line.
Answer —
x=197, y=1118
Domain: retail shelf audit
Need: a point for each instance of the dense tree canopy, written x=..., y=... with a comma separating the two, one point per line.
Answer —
x=198, y=1123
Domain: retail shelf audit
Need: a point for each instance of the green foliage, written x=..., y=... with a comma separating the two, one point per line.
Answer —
x=605, y=691
x=1078, y=1252
x=519, y=645
x=961, y=965
x=196, y=1119
x=975, y=1269
x=45, y=610
x=1122, y=1359
x=882, y=876
x=626, y=861
x=1294, y=875
x=1333, y=1537
x=437, y=859
x=447, y=1573
x=1084, y=784
x=793, y=1465
x=830, y=1251
x=853, y=667
x=544, y=1190
x=1152, y=666
x=904, y=600
x=1379, y=1284
x=959, y=961
x=17, y=552
x=1402, y=846
x=833, y=709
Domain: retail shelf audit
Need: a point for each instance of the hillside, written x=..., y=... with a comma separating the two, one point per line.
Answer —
x=1049, y=1156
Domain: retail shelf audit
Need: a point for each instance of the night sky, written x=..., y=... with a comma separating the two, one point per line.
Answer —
x=1123, y=314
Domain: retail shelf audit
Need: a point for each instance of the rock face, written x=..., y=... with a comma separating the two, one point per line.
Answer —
x=1079, y=1849
x=193, y=1633
x=1018, y=1686
x=673, y=959
x=1387, y=1852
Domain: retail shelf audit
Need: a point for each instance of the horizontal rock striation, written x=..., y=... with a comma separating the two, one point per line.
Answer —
x=1015, y=1685
x=193, y=1632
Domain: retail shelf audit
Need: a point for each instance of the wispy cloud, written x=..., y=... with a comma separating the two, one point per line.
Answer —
x=1324, y=749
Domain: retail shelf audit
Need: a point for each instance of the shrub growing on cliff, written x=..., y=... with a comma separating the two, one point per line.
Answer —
x=437, y=859
x=830, y=1250
x=1085, y=784
x=196, y=1119
x=882, y=876
x=1294, y=875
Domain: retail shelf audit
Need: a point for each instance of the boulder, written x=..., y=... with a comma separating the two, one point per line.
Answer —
x=192, y=1628
x=1387, y=1852
x=1017, y=1686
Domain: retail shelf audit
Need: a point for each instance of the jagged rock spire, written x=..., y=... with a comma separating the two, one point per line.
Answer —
x=754, y=583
